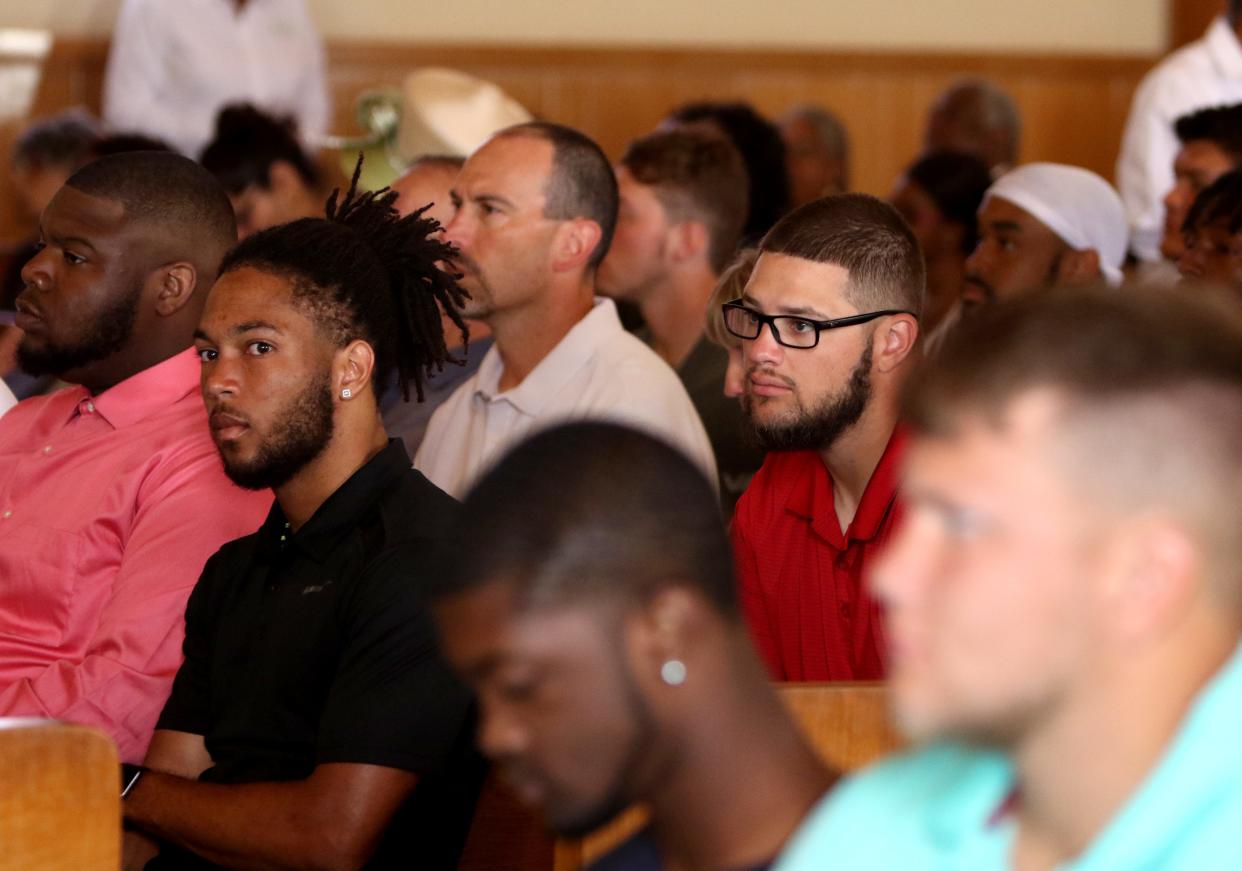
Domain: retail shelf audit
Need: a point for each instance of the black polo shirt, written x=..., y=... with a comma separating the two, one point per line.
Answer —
x=312, y=647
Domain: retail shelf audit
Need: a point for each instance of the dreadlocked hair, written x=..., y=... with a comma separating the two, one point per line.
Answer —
x=365, y=272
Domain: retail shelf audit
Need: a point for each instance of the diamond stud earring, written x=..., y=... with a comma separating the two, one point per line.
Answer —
x=346, y=393
x=673, y=672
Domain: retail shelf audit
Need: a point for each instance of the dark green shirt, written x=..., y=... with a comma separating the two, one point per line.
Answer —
x=738, y=457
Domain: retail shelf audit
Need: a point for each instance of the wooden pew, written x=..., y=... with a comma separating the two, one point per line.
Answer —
x=59, y=798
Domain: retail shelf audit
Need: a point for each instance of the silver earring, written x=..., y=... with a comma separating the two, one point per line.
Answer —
x=673, y=672
x=346, y=393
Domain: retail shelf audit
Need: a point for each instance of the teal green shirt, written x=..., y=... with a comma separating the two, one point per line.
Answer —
x=937, y=808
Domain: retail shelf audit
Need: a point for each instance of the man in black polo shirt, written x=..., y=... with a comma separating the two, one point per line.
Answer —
x=313, y=723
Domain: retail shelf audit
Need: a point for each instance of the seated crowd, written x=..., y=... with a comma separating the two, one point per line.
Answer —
x=323, y=501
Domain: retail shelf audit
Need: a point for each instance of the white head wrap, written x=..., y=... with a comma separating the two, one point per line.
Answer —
x=1076, y=204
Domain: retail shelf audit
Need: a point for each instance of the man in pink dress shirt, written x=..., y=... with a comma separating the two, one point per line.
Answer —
x=111, y=493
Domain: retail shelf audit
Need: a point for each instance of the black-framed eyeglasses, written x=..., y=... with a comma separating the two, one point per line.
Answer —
x=790, y=330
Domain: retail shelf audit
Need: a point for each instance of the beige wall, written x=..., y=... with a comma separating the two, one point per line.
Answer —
x=1134, y=27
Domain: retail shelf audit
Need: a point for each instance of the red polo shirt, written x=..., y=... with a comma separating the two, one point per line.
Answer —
x=801, y=579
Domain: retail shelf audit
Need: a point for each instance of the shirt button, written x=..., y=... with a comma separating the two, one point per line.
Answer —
x=90, y=407
x=7, y=515
x=47, y=449
x=845, y=610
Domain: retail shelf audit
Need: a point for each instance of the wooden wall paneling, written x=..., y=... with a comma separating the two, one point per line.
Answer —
x=1188, y=19
x=1074, y=107
x=59, y=798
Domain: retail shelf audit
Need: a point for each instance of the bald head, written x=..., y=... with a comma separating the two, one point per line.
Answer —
x=428, y=181
x=976, y=117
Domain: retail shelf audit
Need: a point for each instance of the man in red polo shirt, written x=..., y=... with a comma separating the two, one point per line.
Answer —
x=829, y=323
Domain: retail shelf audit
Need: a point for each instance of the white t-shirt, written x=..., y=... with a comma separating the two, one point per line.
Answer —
x=597, y=372
x=1205, y=73
x=175, y=63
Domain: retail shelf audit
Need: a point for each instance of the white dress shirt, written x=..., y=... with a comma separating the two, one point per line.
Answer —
x=1205, y=73
x=7, y=399
x=175, y=63
x=598, y=372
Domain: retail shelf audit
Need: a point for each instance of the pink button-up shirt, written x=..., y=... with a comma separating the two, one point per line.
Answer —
x=109, y=506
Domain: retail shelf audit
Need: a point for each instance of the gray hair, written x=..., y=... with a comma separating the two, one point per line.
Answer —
x=996, y=109
x=828, y=128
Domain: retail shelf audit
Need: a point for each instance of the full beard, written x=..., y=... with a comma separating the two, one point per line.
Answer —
x=109, y=332
x=817, y=428
x=303, y=429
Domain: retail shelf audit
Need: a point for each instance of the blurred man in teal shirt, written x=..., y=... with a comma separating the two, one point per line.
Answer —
x=1064, y=601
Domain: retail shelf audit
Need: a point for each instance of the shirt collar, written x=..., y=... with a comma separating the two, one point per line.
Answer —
x=1204, y=754
x=555, y=370
x=341, y=513
x=973, y=813
x=814, y=500
x=1224, y=49
x=149, y=392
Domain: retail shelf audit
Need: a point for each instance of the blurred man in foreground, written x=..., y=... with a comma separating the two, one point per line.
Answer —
x=596, y=616
x=1064, y=601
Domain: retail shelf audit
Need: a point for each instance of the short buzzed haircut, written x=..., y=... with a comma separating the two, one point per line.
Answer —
x=119, y=143
x=1220, y=125
x=696, y=175
x=1148, y=392
x=863, y=235
x=581, y=184
x=594, y=512
x=169, y=191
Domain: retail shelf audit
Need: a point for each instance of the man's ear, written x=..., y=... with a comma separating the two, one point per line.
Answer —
x=661, y=632
x=894, y=341
x=688, y=240
x=176, y=283
x=1079, y=267
x=282, y=178
x=352, y=370
x=1153, y=571
x=574, y=243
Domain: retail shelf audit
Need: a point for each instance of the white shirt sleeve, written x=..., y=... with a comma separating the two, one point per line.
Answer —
x=1145, y=168
x=313, y=105
x=7, y=399
x=131, y=97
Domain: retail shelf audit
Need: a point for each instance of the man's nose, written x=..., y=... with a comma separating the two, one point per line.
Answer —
x=764, y=348
x=35, y=272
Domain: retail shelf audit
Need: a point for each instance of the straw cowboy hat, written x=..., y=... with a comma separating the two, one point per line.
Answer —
x=449, y=112
x=436, y=111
